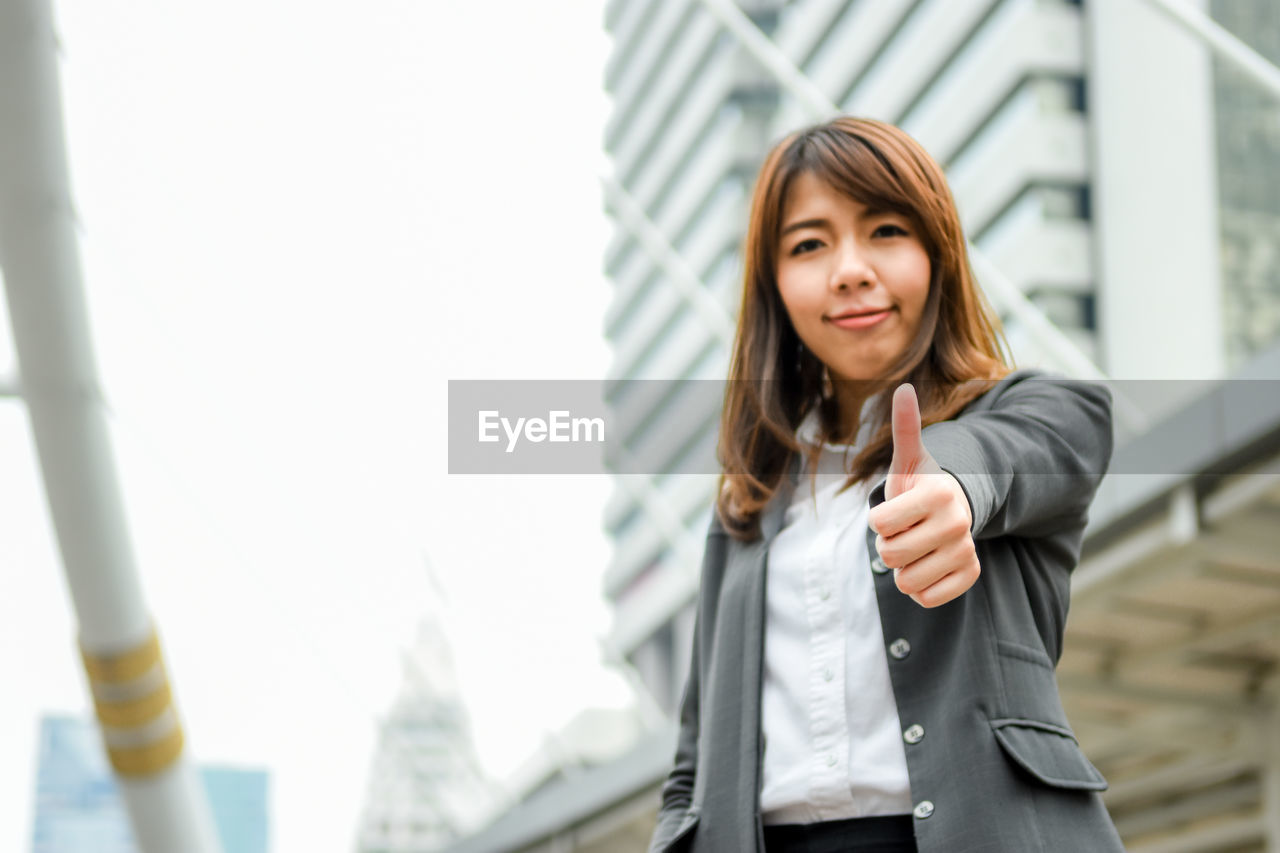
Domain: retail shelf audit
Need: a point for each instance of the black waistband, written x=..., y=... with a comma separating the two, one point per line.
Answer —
x=888, y=832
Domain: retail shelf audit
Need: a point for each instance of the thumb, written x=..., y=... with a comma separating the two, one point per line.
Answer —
x=909, y=454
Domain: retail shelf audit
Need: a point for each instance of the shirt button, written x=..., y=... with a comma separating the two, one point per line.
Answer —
x=831, y=759
x=827, y=674
x=923, y=809
x=899, y=648
x=878, y=566
x=824, y=594
x=914, y=734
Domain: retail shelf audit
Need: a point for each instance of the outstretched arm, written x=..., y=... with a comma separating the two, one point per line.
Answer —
x=1028, y=466
x=1032, y=462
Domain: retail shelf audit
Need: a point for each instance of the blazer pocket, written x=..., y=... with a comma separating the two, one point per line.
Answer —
x=1049, y=753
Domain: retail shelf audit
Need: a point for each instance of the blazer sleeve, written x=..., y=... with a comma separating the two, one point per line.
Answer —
x=1030, y=463
x=677, y=790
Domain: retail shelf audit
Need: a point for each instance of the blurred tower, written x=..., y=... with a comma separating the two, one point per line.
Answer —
x=425, y=787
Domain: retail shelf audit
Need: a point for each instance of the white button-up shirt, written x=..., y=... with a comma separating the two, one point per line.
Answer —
x=833, y=742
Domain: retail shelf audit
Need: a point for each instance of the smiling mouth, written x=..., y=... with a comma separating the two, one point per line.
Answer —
x=860, y=321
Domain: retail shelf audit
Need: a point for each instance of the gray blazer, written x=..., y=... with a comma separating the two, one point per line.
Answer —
x=998, y=767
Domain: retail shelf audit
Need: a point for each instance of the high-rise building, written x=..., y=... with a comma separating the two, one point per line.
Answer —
x=1082, y=159
x=78, y=808
x=238, y=800
x=994, y=90
x=1247, y=138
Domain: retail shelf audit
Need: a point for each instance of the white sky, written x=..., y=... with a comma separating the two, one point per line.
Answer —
x=299, y=221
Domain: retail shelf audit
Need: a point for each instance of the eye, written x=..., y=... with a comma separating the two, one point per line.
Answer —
x=892, y=230
x=805, y=246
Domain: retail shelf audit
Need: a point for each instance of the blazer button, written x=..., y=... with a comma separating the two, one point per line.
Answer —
x=878, y=566
x=923, y=809
x=899, y=648
x=914, y=734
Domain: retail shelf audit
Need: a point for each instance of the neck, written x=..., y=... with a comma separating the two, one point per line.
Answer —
x=851, y=396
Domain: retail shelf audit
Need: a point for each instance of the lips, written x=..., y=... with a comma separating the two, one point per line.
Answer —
x=856, y=321
x=857, y=312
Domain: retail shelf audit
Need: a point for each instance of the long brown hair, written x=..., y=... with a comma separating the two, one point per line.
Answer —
x=774, y=381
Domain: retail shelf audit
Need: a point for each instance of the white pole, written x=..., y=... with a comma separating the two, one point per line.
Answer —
x=59, y=383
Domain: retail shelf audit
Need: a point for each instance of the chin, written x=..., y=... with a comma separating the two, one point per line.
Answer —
x=863, y=369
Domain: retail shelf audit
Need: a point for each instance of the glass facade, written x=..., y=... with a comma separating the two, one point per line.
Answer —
x=78, y=808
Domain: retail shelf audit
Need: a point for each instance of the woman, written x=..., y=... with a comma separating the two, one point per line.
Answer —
x=873, y=656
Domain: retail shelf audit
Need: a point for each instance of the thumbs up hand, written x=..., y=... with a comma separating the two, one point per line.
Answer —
x=923, y=524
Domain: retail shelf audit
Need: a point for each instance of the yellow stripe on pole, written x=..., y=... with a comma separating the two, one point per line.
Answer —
x=131, y=695
x=148, y=758
x=134, y=712
x=122, y=666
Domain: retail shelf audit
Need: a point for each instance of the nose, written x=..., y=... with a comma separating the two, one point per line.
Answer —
x=851, y=268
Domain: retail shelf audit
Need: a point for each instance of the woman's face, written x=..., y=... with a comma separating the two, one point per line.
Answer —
x=838, y=260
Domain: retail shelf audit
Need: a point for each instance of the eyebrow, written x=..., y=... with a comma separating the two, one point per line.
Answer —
x=869, y=213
